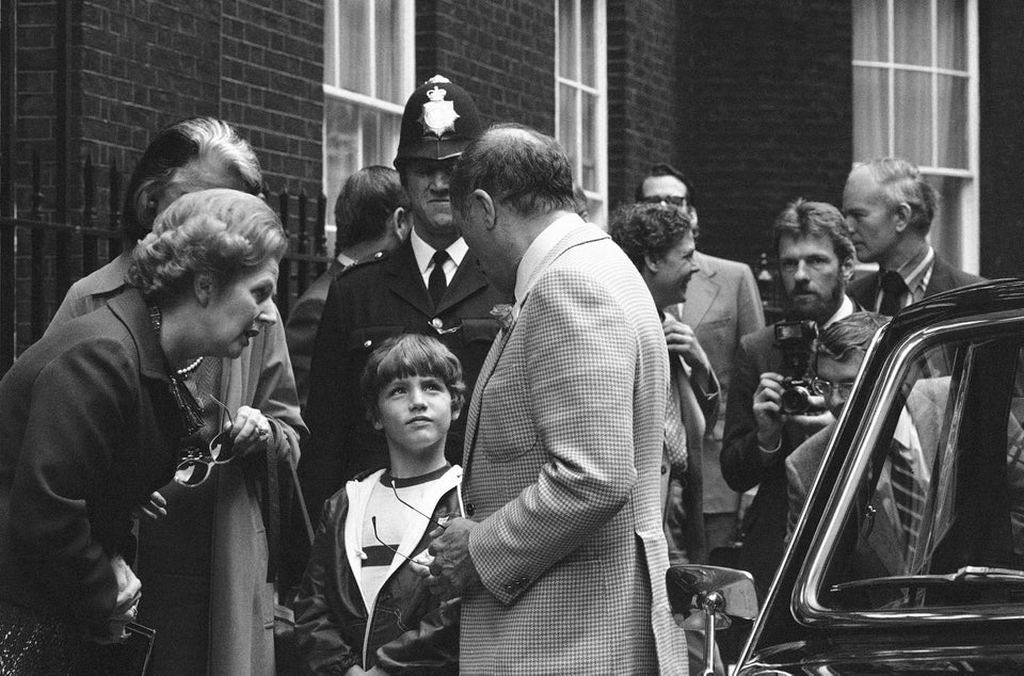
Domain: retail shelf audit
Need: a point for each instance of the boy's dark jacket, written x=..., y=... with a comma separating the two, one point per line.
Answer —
x=410, y=631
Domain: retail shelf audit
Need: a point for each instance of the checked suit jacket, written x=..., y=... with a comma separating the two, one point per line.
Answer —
x=562, y=464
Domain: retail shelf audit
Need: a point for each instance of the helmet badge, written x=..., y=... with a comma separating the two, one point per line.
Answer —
x=438, y=115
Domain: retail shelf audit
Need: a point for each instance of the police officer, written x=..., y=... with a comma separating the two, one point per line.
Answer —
x=430, y=284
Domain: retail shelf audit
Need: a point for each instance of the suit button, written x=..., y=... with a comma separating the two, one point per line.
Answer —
x=470, y=509
x=664, y=469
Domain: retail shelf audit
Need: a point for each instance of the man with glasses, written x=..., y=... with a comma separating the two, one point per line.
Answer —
x=839, y=352
x=815, y=263
x=722, y=305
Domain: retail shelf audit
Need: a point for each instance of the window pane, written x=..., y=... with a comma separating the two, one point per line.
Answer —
x=380, y=137
x=355, y=45
x=341, y=138
x=951, y=40
x=588, y=177
x=952, y=131
x=389, y=50
x=567, y=123
x=566, y=40
x=870, y=113
x=330, y=48
x=913, y=124
x=912, y=35
x=587, y=66
x=870, y=30
x=948, y=222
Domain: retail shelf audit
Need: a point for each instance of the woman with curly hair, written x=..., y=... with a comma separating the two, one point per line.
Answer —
x=101, y=412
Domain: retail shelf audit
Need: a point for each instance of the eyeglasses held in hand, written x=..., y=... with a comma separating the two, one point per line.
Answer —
x=423, y=558
x=195, y=466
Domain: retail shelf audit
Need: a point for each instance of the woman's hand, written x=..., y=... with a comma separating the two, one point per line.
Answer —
x=250, y=431
x=155, y=510
x=126, y=608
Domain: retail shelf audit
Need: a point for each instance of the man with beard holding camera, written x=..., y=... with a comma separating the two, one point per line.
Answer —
x=771, y=409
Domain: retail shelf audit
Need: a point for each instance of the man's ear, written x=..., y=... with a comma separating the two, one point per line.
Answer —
x=203, y=286
x=482, y=200
x=846, y=269
x=399, y=224
x=650, y=264
x=901, y=216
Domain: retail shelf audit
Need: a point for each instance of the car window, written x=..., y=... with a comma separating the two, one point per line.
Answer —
x=938, y=515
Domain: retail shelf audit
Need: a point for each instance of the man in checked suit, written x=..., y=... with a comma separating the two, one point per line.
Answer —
x=722, y=305
x=561, y=565
x=889, y=208
x=409, y=290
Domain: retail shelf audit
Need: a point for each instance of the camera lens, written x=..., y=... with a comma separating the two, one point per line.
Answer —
x=795, y=399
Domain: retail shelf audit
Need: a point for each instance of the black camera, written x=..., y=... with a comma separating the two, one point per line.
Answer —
x=795, y=339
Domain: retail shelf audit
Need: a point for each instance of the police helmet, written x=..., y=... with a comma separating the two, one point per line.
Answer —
x=439, y=121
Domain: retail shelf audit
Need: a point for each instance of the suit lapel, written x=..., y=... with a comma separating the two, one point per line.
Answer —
x=404, y=279
x=468, y=280
x=701, y=296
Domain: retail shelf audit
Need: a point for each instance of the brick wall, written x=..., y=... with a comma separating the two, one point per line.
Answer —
x=503, y=54
x=646, y=91
x=767, y=113
x=137, y=66
x=1001, y=173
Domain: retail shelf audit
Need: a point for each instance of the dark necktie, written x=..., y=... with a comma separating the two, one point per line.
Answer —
x=437, y=282
x=893, y=288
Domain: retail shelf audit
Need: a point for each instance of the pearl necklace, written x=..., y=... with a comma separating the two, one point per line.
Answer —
x=185, y=372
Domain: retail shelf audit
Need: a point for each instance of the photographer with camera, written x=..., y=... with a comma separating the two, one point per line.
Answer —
x=772, y=408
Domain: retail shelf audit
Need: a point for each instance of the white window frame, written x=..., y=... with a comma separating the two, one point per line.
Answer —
x=969, y=218
x=334, y=90
x=598, y=197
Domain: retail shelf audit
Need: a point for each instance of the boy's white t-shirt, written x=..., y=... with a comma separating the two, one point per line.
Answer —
x=394, y=520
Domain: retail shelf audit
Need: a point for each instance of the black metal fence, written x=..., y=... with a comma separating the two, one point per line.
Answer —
x=41, y=255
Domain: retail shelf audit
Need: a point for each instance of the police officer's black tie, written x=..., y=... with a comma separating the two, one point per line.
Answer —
x=437, y=282
x=893, y=288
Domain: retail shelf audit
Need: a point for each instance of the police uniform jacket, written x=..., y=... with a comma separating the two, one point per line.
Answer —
x=368, y=303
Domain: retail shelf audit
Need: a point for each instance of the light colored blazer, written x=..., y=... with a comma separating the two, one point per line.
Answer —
x=563, y=454
x=722, y=305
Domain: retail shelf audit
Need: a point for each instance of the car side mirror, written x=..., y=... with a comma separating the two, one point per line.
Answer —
x=706, y=597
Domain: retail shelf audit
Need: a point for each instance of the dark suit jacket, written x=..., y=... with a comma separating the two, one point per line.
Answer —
x=944, y=277
x=366, y=304
x=764, y=524
x=303, y=322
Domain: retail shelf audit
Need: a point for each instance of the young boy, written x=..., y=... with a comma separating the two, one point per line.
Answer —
x=362, y=606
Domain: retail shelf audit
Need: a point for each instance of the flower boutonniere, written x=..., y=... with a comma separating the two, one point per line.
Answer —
x=502, y=312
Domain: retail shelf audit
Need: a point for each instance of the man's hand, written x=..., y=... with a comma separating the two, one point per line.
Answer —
x=768, y=410
x=452, y=571
x=683, y=341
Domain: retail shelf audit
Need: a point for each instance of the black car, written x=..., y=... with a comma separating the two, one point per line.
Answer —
x=909, y=554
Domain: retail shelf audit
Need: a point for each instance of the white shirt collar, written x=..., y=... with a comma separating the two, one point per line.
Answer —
x=425, y=253
x=846, y=309
x=539, y=249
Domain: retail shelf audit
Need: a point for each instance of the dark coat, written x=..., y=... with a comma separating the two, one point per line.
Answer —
x=303, y=322
x=88, y=429
x=368, y=303
x=944, y=277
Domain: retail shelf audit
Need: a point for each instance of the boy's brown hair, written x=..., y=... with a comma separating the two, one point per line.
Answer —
x=411, y=354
